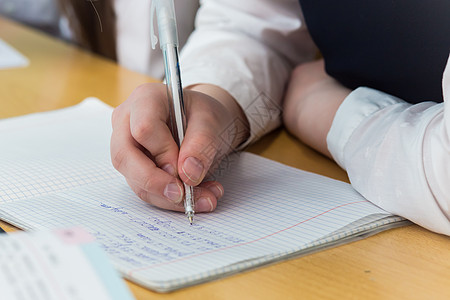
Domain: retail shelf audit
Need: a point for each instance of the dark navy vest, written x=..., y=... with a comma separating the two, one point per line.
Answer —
x=396, y=46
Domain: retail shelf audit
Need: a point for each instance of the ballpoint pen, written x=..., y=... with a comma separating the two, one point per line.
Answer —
x=167, y=29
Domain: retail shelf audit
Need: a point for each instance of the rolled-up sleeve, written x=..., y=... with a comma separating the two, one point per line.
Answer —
x=249, y=49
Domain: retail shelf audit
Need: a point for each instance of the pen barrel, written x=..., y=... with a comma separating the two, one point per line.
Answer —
x=189, y=199
x=177, y=110
x=177, y=115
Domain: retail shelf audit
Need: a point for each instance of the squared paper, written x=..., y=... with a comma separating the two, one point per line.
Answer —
x=55, y=172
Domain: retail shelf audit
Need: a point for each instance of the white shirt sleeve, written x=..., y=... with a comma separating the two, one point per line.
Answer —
x=248, y=48
x=397, y=155
x=134, y=50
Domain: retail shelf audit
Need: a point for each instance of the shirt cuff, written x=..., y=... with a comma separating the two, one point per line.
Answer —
x=357, y=106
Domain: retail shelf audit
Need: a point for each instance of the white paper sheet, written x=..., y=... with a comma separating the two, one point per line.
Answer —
x=10, y=57
x=64, y=264
x=55, y=171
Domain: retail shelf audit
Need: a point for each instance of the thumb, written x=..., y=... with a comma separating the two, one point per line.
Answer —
x=203, y=143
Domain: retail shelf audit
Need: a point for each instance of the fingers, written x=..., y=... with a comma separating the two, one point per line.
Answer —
x=204, y=142
x=128, y=158
x=148, y=126
x=205, y=197
x=145, y=153
x=146, y=105
x=155, y=199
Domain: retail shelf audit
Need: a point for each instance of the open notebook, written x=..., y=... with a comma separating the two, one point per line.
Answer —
x=55, y=171
x=10, y=57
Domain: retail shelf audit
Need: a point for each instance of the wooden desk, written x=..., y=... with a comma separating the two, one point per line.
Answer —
x=404, y=263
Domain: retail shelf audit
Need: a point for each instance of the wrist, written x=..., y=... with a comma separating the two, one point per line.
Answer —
x=238, y=118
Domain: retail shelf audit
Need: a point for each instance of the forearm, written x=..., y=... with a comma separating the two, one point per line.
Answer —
x=238, y=130
x=247, y=54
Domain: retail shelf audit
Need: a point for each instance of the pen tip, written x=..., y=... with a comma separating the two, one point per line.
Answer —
x=191, y=219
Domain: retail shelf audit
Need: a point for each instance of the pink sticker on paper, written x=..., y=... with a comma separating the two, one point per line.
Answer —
x=74, y=236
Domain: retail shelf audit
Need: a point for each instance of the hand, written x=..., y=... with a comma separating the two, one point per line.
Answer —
x=143, y=150
x=311, y=101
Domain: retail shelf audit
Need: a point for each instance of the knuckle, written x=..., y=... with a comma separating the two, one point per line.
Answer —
x=118, y=159
x=148, y=88
x=148, y=184
x=163, y=151
x=142, y=88
x=142, y=130
x=115, y=115
x=141, y=194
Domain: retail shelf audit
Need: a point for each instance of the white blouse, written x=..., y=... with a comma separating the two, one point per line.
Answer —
x=134, y=50
x=397, y=155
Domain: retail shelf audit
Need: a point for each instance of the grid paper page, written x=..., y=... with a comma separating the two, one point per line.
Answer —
x=160, y=249
x=10, y=57
x=269, y=211
x=53, y=151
